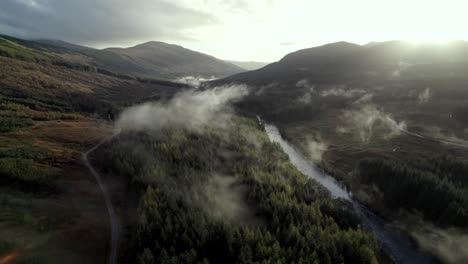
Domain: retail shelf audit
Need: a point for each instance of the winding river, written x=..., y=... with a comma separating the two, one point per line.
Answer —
x=396, y=244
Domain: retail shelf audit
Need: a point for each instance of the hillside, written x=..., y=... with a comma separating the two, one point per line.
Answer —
x=162, y=59
x=153, y=60
x=345, y=62
x=387, y=119
x=52, y=108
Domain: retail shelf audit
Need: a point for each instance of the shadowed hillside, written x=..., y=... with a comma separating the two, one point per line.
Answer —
x=387, y=119
x=151, y=60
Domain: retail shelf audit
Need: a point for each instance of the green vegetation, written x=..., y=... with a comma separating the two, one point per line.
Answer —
x=8, y=124
x=26, y=167
x=226, y=196
x=11, y=47
x=25, y=171
x=437, y=187
x=19, y=108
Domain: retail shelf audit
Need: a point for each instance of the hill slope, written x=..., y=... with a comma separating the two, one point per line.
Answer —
x=385, y=111
x=53, y=106
x=152, y=60
x=342, y=61
x=162, y=59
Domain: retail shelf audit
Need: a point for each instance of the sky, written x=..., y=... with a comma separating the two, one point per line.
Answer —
x=242, y=30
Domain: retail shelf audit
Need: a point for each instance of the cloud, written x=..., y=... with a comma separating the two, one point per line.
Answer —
x=366, y=98
x=424, y=96
x=101, y=22
x=448, y=244
x=306, y=98
x=367, y=120
x=190, y=109
x=225, y=200
x=316, y=147
x=341, y=91
x=304, y=83
x=263, y=88
x=444, y=135
x=401, y=68
x=193, y=81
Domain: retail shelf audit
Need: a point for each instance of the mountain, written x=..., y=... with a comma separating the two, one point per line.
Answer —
x=63, y=44
x=388, y=119
x=163, y=59
x=344, y=61
x=249, y=65
x=53, y=106
x=218, y=182
x=151, y=60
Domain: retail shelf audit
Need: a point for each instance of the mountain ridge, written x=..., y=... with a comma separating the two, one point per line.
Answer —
x=343, y=61
x=152, y=59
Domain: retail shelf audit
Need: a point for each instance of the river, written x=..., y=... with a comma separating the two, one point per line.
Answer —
x=396, y=244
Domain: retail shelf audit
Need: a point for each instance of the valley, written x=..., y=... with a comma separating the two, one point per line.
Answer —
x=360, y=155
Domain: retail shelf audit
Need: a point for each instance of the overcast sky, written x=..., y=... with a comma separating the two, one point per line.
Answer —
x=247, y=30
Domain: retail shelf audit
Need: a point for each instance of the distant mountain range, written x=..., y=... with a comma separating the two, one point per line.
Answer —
x=343, y=61
x=151, y=60
x=249, y=65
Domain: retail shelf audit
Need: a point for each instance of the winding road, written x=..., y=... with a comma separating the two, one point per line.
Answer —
x=113, y=218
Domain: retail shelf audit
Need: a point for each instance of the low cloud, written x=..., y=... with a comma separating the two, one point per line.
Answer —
x=449, y=245
x=342, y=91
x=316, y=147
x=304, y=83
x=194, y=81
x=366, y=98
x=224, y=199
x=192, y=109
x=306, y=98
x=401, y=68
x=445, y=136
x=424, y=96
x=368, y=121
x=263, y=88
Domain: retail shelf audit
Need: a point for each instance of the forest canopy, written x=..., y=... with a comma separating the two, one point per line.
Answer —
x=179, y=192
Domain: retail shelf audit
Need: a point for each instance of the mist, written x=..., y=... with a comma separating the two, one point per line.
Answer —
x=304, y=83
x=424, y=96
x=368, y=119
x=306, y=98
x=450, y=245
x=192, y=109
x=399, y=71
x=341, y=91
x=263, y=88
x=316, y=147
x=194, y=81
x=224, y=199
